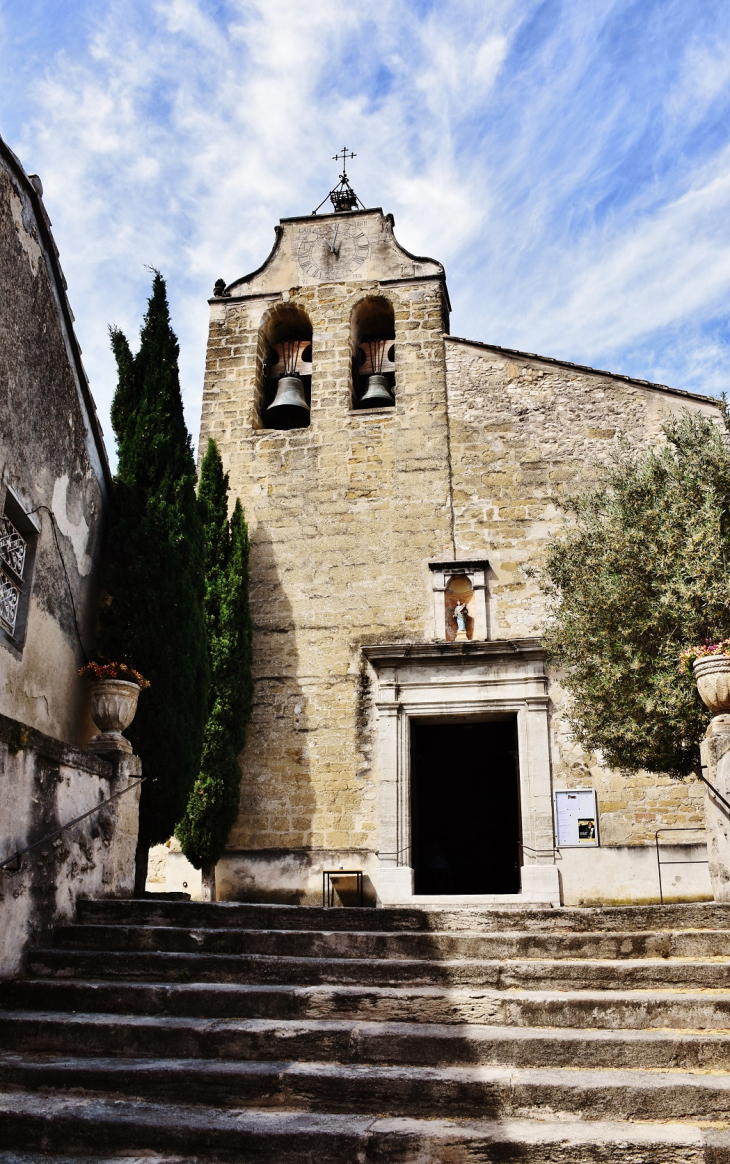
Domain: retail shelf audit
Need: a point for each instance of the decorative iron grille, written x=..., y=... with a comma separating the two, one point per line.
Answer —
x=9, y=598
x=12, y=546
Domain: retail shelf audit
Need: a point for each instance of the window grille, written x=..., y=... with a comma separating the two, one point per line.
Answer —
x=9, y=598
x=17, y=550
x=12, y=546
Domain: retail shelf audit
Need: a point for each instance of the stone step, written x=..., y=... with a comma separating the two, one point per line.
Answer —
x=434, y=1092
x=46, y=1158
x=414, y=1044
x=383, y=945
x=200, y=1133
x=597, y=1009
x=546, y=974
x=244, y=915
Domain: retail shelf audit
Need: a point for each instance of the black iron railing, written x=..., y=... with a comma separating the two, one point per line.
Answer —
x=692, y=861
x=712, y=787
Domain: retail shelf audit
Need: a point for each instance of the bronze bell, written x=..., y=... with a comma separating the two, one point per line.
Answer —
x=290, y=402
x=378, y=392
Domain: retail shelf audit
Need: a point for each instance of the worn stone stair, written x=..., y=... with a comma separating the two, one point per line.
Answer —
x=183, y=1032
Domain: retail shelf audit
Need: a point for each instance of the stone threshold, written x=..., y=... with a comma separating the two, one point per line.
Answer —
x=472, y=901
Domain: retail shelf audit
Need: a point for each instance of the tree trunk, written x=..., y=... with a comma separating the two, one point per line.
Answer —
x=140, y=867
x=208, y=878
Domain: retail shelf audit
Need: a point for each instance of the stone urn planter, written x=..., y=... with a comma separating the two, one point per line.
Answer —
x=712, y=675
x=113, y=707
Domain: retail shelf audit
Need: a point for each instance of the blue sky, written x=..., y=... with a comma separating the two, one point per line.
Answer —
x=568, y=161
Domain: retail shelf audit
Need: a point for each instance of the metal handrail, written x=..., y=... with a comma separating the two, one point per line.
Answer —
x=712, y=787
x=537, y=852
x=677, y=829
x=51, y=836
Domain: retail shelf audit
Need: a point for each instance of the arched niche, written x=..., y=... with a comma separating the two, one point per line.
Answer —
x=373, y=354
x=462, y=581
x=285, y=351
x=459, y=593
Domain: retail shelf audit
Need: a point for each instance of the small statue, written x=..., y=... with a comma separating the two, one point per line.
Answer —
x=460, y=612
x=219, y=291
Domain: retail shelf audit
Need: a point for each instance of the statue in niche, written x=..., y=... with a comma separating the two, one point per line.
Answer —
x=460, y=612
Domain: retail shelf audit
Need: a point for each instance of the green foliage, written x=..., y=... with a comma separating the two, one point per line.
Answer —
x=154, y=568
x=643, y=574
x=213, y=803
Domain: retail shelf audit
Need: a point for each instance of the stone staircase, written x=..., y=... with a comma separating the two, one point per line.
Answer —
x=184, y=1032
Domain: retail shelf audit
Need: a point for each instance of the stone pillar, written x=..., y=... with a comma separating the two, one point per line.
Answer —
x=715, y=752
x=393, y=879
x=123, y=844
x=540, y=879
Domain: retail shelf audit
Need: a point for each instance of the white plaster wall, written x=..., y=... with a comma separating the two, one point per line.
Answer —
x=628, y=874
x=93, y=859
x=181, y=877
x=293, y=878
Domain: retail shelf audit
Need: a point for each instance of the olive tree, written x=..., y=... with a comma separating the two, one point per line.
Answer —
x=642, y=573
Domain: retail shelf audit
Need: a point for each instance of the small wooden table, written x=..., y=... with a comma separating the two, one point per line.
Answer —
x=329, y=876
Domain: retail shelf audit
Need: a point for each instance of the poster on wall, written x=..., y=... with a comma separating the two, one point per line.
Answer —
x=576, y=818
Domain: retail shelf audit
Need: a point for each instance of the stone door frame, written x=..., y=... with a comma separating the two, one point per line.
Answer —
x=442, y=682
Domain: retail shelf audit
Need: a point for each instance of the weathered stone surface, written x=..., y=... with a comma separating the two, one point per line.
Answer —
x=44, y=786
x=688, y=1009
x=331, y=1139
x=715, y=752
x=54, y=481
x=52, y=455
x=556, y=1071
x=388, y=945
x=704, y=915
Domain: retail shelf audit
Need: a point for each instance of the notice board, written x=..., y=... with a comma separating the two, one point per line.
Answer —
x=576, y=818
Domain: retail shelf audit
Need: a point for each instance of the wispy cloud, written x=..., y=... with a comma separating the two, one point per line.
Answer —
x=570, y=163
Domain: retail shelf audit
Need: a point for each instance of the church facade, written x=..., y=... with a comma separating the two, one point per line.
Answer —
x=397, y=482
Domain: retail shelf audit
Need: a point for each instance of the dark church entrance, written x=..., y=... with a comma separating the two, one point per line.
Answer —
x=465, y=807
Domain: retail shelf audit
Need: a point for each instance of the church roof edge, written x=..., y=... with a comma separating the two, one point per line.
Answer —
x=581, y=368
x=338, y=214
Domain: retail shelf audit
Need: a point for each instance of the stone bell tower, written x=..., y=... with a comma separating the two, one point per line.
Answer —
x=325, y=390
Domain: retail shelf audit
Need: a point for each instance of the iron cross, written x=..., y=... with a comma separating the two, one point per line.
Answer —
x=344, y=155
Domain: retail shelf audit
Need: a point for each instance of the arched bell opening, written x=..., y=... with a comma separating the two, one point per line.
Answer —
x=286, y=399
x=373, y=360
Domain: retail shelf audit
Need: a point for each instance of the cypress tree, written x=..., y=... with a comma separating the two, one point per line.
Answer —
x=213, y=803
x=153, y=571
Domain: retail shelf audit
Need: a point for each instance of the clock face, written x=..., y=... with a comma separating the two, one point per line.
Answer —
x=332, y=252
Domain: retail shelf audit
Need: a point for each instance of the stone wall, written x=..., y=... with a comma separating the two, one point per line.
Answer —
x=44, y=785
x=525, y=433
x=52, y=458
x=54, y=481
